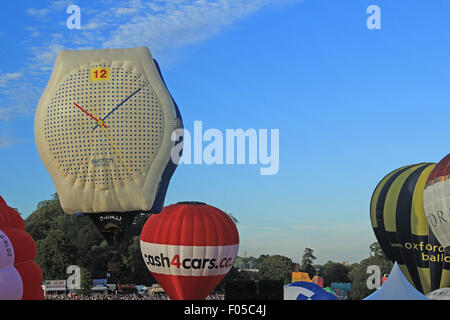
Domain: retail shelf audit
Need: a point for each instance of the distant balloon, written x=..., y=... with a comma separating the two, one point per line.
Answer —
x=20, y=275
x=328, y=289
x=189, y=248
x=317, y=280
x=302, y=290
x=400, y=226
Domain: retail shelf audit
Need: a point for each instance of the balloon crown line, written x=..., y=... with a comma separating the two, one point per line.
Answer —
x=195, y=203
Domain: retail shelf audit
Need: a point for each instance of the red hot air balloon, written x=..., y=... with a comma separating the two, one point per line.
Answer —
x=20, y=275
x=189, y=248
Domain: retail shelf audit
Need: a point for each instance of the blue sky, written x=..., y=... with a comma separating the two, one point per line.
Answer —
x=351, y=104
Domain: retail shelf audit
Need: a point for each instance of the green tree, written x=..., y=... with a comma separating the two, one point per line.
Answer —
x=358, y=273
x=64, y=239
x=307, y=262
x=334, y=272
x=275, y=267
x=375, y=250
x=133, y=261
x=86, y=281
x=55, y=254
x=42, y=220
x=246, y=263
x=96, y=260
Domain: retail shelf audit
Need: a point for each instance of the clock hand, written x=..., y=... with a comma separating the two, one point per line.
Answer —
x=117, y=150
x=99, y=122
x=117, y=107
x=113, y=144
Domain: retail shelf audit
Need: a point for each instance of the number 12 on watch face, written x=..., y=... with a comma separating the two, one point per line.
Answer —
x=100, y=74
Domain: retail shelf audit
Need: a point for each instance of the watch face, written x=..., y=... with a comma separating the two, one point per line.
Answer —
x=103, y=124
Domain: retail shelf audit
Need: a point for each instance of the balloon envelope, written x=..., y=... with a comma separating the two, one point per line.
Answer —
x=103, y=130
x=302, y=290
x=400, y=226
x=189, y=248
x=439, y=294
x=20, y=275
x=437, y=201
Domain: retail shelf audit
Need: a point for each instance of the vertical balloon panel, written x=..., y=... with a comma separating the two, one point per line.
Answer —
x=377, y=212
x=437, y=209
x=385, y=205
x=412, y=229
x=434, y=265
x=445, y=277
x=400, y=225
x=439, y=263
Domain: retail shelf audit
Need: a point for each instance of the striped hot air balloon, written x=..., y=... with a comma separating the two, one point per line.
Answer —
x=189, y=248
x=400, y=226
x=20, y=275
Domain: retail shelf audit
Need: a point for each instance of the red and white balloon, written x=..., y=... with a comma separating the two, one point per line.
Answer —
x=189, y=248
x=20, y=275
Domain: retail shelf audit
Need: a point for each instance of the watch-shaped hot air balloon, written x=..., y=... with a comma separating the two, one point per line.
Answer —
x=189, y=248
x=20, y=275
x=103, y=130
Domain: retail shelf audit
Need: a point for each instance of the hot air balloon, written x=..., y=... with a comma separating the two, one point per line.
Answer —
x=437, y=201
x=189, y=248
x=439, y=294
x=20, y=275
x=303, y=290
x=400, y=226
x=103, y=130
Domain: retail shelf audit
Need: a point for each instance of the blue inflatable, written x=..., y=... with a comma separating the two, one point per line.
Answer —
x=302, y=290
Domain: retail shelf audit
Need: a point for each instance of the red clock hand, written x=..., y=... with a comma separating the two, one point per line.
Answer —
x=100, y=122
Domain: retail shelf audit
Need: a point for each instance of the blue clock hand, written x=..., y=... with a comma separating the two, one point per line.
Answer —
x=118, y=106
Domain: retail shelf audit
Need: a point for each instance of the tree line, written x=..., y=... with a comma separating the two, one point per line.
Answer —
x=64, y=240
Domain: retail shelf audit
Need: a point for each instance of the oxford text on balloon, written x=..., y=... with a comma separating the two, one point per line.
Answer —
x=438, y=218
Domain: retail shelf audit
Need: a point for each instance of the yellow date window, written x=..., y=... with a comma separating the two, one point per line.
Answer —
x=100, y=74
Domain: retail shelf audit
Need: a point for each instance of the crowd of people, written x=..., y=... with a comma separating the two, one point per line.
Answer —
x=117, y=296
x=104, y=296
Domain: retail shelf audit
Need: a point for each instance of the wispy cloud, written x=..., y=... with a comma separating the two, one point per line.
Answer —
x=159, y=24
x=38, y=13
x=167, y=24
x=5, y=78
x=6, y=139
x=162, y=25
x=43, y=60
x=5, y=114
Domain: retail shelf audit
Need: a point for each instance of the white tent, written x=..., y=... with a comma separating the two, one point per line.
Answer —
x=396, y=287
